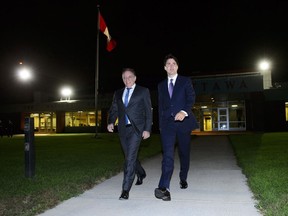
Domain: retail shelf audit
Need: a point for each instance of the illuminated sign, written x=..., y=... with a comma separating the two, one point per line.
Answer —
x=252, y=83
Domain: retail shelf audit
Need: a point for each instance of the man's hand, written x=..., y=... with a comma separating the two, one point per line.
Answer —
x=180, y=116
x=110, y=127
x=145, y=134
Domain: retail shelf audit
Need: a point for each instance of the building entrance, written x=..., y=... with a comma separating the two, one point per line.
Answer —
x=44, y=122
x=221, y=116
x=207, y=121
x=223, y=119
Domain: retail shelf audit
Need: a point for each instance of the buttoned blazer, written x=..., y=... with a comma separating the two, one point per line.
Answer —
x=183, y=98
x=139, y=110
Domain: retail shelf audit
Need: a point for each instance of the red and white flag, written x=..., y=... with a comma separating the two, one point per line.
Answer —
x=111, y=44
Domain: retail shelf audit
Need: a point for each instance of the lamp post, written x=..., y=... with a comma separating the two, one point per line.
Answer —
x=265, y=69
x=25, y=75
x=29, y=147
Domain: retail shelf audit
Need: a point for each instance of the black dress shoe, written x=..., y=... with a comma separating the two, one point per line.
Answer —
x=162, y=193
x=183, y=184
x=140, y=180
x=124, y=195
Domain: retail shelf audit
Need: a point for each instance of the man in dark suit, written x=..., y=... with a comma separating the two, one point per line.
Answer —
x=132, y=107
x=176, y=97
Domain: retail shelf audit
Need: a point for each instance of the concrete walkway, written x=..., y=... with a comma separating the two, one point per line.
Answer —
x=217, y=187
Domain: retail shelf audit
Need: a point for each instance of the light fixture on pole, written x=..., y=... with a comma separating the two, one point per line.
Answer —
x=265, y=69
x=24, y=74
x=66, y=93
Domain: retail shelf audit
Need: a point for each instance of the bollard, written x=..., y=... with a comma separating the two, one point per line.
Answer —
x=29, y=148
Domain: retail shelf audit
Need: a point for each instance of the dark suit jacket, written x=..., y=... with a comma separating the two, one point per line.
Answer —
x=139, y=110
x=183, y=98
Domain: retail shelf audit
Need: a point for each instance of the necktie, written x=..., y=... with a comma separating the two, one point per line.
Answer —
x=170, y=88
x=126, y=103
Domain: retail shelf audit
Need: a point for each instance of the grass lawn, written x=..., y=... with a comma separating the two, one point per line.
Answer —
x=66, y=166
x=264, y=160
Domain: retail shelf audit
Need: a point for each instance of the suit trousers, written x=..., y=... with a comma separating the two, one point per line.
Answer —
x=130, y=143
x=169, y=135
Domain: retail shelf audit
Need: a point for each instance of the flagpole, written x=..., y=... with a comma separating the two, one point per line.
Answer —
x=97, y=74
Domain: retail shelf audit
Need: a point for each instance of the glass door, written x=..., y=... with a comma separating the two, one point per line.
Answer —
x=207, y=121
x=223, y=119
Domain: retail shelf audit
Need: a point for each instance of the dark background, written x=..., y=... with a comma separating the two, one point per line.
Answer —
x=57, y=40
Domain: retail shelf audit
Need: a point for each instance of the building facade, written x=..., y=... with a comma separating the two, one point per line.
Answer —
x=242, y=101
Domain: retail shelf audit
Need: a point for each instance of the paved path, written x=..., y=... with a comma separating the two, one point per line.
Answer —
x=217, y=187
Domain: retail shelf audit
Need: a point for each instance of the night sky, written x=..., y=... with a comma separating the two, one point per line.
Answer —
x=57, y=40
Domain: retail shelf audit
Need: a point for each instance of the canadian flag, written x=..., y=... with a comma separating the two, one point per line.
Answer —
x=111, y=44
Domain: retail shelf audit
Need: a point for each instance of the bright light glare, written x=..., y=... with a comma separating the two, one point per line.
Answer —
x=25, y=74
x=66, y=91
x=264, y=65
